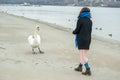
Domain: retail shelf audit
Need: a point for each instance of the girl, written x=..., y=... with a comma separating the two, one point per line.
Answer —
x=83, y=38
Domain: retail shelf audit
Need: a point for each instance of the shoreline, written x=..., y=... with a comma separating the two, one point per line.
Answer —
x=68, y=29
x=60, y=58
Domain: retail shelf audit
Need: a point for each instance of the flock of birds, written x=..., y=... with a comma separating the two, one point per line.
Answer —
x=102, y=29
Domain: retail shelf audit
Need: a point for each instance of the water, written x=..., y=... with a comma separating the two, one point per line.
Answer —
x=106, y=21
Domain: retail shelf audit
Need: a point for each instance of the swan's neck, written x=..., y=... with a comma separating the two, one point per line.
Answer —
x=35, y=33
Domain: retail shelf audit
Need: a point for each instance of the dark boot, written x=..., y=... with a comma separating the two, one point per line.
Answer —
x=79, y=68
x=87, y=72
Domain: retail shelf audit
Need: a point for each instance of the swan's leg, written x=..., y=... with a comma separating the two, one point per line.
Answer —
x=33, y=50
x=40, y=51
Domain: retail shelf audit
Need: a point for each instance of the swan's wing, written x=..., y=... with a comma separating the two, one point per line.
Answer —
x=30, y=39
x=34, y=41
x=39, y=39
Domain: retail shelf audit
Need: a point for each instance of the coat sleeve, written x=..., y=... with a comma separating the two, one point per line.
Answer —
x=78, y=27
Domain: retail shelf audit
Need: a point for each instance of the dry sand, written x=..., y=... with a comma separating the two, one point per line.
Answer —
x=18, y=63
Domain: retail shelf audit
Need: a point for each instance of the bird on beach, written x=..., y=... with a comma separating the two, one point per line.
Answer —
x=35, y=40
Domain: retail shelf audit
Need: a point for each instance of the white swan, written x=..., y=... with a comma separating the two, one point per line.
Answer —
x=35, y=40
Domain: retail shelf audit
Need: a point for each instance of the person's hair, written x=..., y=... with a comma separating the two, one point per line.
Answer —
x=84, y=9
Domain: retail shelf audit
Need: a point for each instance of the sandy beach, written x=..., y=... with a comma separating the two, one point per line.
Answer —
x=60, y=58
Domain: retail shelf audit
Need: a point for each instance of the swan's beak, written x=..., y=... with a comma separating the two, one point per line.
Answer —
x=38, y=28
